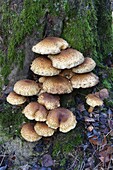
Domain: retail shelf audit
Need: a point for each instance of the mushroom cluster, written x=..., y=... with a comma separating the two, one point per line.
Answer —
x=60, y=69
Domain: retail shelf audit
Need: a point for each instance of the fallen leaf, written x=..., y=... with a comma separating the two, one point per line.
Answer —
x=47, y=160
x=105, y=154
x=95, y=140
x=81, y=107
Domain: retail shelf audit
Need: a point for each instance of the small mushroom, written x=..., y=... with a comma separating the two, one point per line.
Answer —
x=67, y=73
x=35, y=111
x=57, y=85
x=43, y=67
x=50, y=45
x=26, y=87
x=15, y=99
x=67, y=59
x=61, y=118
x=92, y=100
x=49, y=101
x=87, y=66
x=85, y=80
x=28, y=132
x=42, y=129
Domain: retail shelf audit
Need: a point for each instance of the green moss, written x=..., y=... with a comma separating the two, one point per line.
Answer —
x=80, y=31
x=104, y=26
x=11, y=120
x=23, y=25
x=65, y=143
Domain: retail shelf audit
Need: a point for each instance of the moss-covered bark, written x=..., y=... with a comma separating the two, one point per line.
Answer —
x=86, y=25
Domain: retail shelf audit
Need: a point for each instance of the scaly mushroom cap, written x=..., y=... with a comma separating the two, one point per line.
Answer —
x=93, y=100
x=49, y=101
x=28, y=132
x=84, y=80
x=43, y=67
x=67, y=73
x=67, y=59
x=26, y=87
x=57, y=85
x=42, y=129
x=61, y=118
x=50, y=45
x=87, y=66
x=35, y=111
x=15, y=99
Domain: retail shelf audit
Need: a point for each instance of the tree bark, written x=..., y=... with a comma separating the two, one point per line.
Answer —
x=86, y=25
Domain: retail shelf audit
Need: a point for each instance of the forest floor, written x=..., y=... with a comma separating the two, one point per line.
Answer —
x=87, y=147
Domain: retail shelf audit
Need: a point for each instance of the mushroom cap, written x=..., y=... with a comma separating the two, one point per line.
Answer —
x=93, y=100
x=50, y=45
x=43, y=67
x=87, y=66
x=35, y=111
x=15, y=99
x=67, y=59
x=42, y=79
x=26, y=87
x=85, y=80
x=42, y=129
x=28, y=132
x=67, y=73
x=57, y=85
x=49, y=101
x=61, y=118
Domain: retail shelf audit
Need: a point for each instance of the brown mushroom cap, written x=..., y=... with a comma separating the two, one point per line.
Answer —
x=42, y=129
x=62, y=118
x=84, y=80
x=87, y=66
x=67, y=73
x=67, y=59
x=26, y=87
x=49, y=101
x=50, y=45
x=28, y=132
x=42, y=79
x=93, y=100
x=43, y=67
x=35, y=111
x=15, y=99
x=57, y=85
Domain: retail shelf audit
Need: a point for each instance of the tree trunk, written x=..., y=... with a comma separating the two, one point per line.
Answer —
x=86, y=25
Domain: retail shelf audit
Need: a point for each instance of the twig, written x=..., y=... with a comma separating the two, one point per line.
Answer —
x=3, y=156
x=73, y=164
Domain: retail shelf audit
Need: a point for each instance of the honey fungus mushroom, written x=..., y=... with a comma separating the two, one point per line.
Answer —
x=92, y=100
x=87, y=66
x=42, y=129
x=28, y=133
x=49, y=101
x=36, y=111
x=57, y=85
x=43, y=67
x=26, y=87
x=85, y=80
x=67, y=59
x=61, y=118
x=67, y=73
x=50, y=45
x=15, y=99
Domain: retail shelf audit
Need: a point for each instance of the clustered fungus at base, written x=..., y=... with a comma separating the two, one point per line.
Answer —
x=60, y=69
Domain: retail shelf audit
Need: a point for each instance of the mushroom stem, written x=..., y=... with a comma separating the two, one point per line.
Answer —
x=90, y=109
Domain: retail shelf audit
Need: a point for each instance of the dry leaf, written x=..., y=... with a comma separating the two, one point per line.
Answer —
x=94, y=140
x=81, y=107
x=105, y=154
